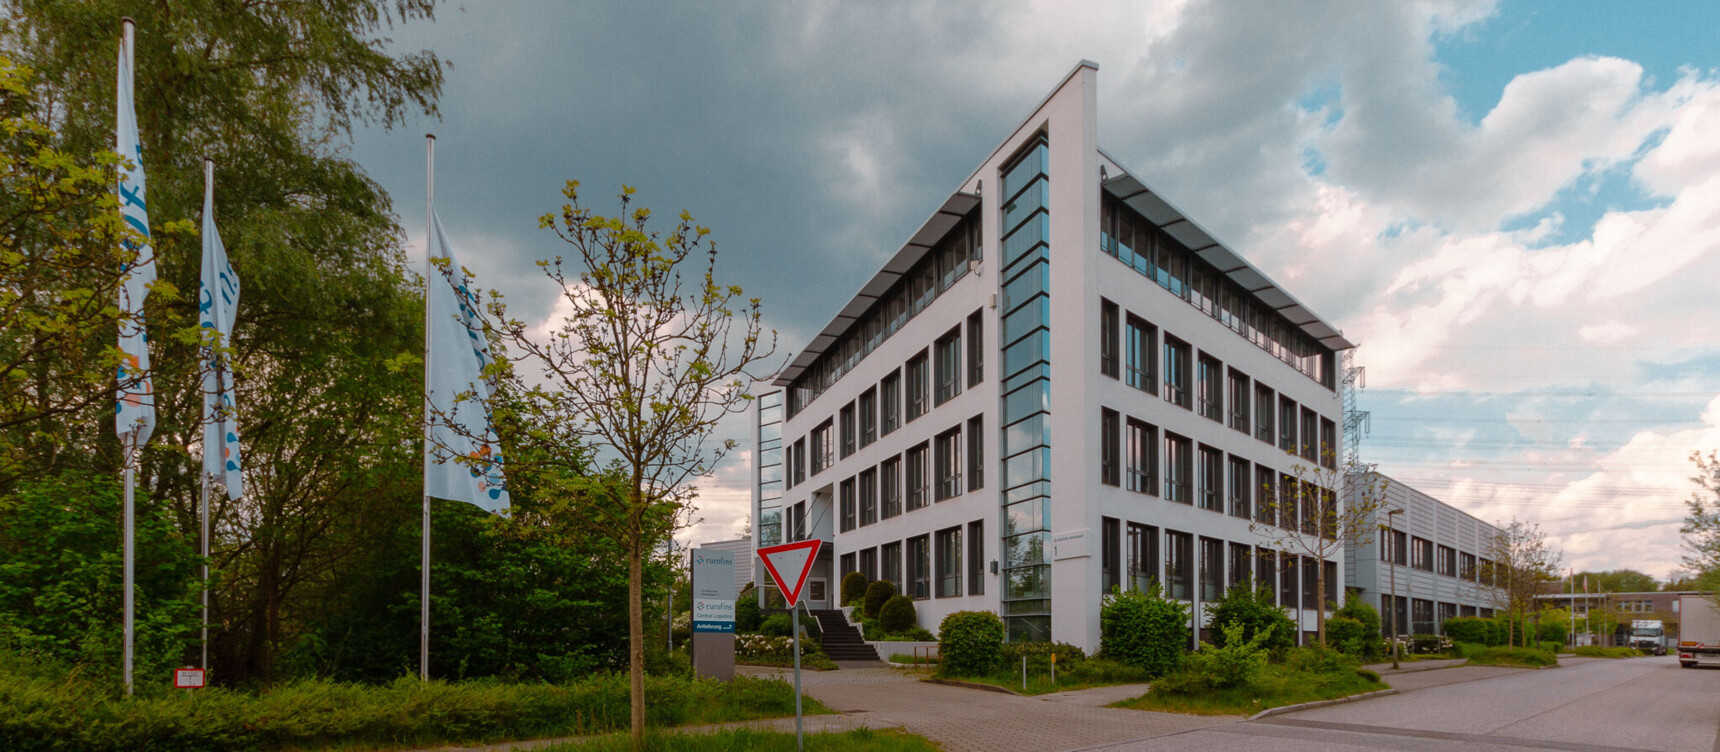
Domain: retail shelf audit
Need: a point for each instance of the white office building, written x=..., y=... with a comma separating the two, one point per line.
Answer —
x=1428, y=558
x=1058, y=386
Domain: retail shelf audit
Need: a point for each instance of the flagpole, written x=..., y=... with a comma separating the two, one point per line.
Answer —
x=203, y=504
x=429, y=273
x=127, y=27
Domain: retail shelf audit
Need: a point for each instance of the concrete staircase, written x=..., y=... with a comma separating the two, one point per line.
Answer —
x=842, y=641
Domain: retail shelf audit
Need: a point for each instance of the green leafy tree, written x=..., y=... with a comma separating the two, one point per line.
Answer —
x=1612, y=581
x=650, y=354
x=1304, y=517
x=1523, y=563
x=1701, y=527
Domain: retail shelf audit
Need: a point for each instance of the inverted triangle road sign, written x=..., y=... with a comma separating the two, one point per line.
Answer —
x=790, y=563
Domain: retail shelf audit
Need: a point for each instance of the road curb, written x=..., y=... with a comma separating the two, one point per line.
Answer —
x=972, y=685
x=1320, y=703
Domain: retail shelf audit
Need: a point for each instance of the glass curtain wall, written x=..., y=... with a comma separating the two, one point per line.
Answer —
x=1026, y=450
x=770, y=473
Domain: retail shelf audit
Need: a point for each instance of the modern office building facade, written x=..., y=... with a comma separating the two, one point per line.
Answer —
x=1430, y=560
x=1059, y=386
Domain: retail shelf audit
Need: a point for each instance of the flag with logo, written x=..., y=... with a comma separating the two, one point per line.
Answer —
x=217, y=304
x=456, y=390
x=134, y=412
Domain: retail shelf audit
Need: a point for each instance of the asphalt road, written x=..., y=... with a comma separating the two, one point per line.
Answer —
x=1589, y=705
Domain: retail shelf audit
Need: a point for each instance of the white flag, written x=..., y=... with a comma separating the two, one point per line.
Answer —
x=135, y=409
x=217, y=302
x=457, y=356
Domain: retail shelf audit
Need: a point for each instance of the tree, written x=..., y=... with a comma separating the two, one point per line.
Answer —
x=1304, y=517
x=1612, y=581
x=641, y=367
x=1701, y=527
x=1523, y=561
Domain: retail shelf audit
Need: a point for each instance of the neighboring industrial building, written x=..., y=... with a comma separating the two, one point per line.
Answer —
x=1059, y=386
x=1437, y=554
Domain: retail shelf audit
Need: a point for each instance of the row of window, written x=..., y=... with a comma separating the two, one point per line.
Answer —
x=1200, y=475
x=933, y=565
x=1422, y=616
x=901, y=483
x=1130, y=559
x=1138, y=244
x=1416, y=552
x=932, y=378
x=925, y=281
x=1129, y=350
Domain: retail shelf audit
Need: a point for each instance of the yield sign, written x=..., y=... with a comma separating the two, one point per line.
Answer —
x=790, y=563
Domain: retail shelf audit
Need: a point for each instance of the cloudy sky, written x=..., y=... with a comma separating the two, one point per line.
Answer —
x=1514, y=207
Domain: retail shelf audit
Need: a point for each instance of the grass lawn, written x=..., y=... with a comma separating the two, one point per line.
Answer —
x=815, y=662
x=1507, y=656
x=1596, y=651
x=743, y=740
x=1277, y=685
x=1087, y=674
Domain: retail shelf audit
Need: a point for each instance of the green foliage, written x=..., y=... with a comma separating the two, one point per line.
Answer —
x=1254, y=611
x=1426, y=644
x=1613, y=581
x=1511, y=656
x=876, y=594
x=853, y=588
x=1553, y=626
x=747, y=616
x=898, y=614
x=1360, y=638
x=50, y=710
x=748, y=740
x=1228, y=666
x=780, y=624
x=1319, y=659
x=1476, y=630
x=1299, y=680
x=1144, y=630
x=60, y=576
x=970, y=643
x=1551, y=646
x=1368, y=674
x=1596, y=651
x=1039, y=654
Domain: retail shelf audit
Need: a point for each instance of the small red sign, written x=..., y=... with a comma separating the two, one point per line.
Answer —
x=790, y=563
x=188, y=678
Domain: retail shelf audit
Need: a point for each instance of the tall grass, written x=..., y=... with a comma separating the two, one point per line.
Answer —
x=53, y=712
x=1509, y=656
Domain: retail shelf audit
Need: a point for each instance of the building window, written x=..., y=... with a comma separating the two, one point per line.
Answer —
x=1110, y=555
x=1179, y=469
x=1139, y=345
x=1211, y=479
x=919, y=394
x=1309, y=434
x=1487, y=574
x=1287, y=580
x=868, y=497
x=1288, y=499
x=869, y=563
x=1142, y=566
x=1241, y=488
x=1263, y=406
x=769, y=527
x=890, y=487
x=890, y=403
x=1328, y=444
x=1287, y=425
x=1109, y=461
x=1266, y=572
x=1239, y=392
x=1209, y=375
x=1310, y=582
x=847, y=564
x=947, y=368
x=1308, y=498
x=976, y=558
x=1466, y=567
x=1241, y=565
x=1177, y=373
x=892, y=564
x=919, y=567
x=975, y=349
x=916, y=478
x=950, y=562
x=868, y=417
x=1211, y=569
x=1421, y=554
x=1266, y=495
x=1141, y=469
x=797, y=457
x=797, y=522
x=845, y=424
x=1179, y=565
x=1396, y=549
x=845, y=492
x=1422, y=615
x=1108, y=324
x=976, y=453
x=1447, y=611
x=823, y=446
x=1448, y=561
x=948, y=447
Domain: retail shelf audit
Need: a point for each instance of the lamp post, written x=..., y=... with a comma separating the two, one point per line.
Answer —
x=1391, y=527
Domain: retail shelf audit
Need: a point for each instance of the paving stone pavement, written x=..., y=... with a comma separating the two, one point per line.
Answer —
x=961, y=718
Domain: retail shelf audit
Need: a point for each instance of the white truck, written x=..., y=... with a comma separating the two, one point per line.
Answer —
x=1648, y=635
x=1698, y=630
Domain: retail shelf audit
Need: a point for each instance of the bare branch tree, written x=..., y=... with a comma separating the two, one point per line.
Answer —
x=1522, y=561
x=1300, y=514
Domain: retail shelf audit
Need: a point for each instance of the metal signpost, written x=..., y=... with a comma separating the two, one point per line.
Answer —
x=790, y=563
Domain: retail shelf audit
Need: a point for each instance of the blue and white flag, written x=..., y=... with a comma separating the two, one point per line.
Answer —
x=455, y=365
x=217, y=302
x=134, y=412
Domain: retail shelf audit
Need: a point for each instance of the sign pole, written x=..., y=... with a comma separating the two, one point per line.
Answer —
x=799, y=732
x=429, y=274
x=788, y=565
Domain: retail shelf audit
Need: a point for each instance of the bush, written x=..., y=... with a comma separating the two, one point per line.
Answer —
x=1144, y=630
x=898, y=615
x=1254, y=612
x=1361, y=639
x=1476, y=630
x=970, y=643
x=1552, y=646
x=747, y=616
x=1510, y=656
x=1596, y=651
x=1368, y=674
x=1426, y=644
x=1234, y=664
x=876, y=594
x=1319, y=659
x=853, y=588
x=777, y=625
x=1066, y=653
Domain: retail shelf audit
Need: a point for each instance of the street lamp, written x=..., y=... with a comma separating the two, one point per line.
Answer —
x=1391, y=528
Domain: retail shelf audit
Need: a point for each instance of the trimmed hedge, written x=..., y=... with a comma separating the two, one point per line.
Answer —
x=1144, y=630
x=853, y=588
x=876, y=594
x=970, y=643
x=898, y=615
